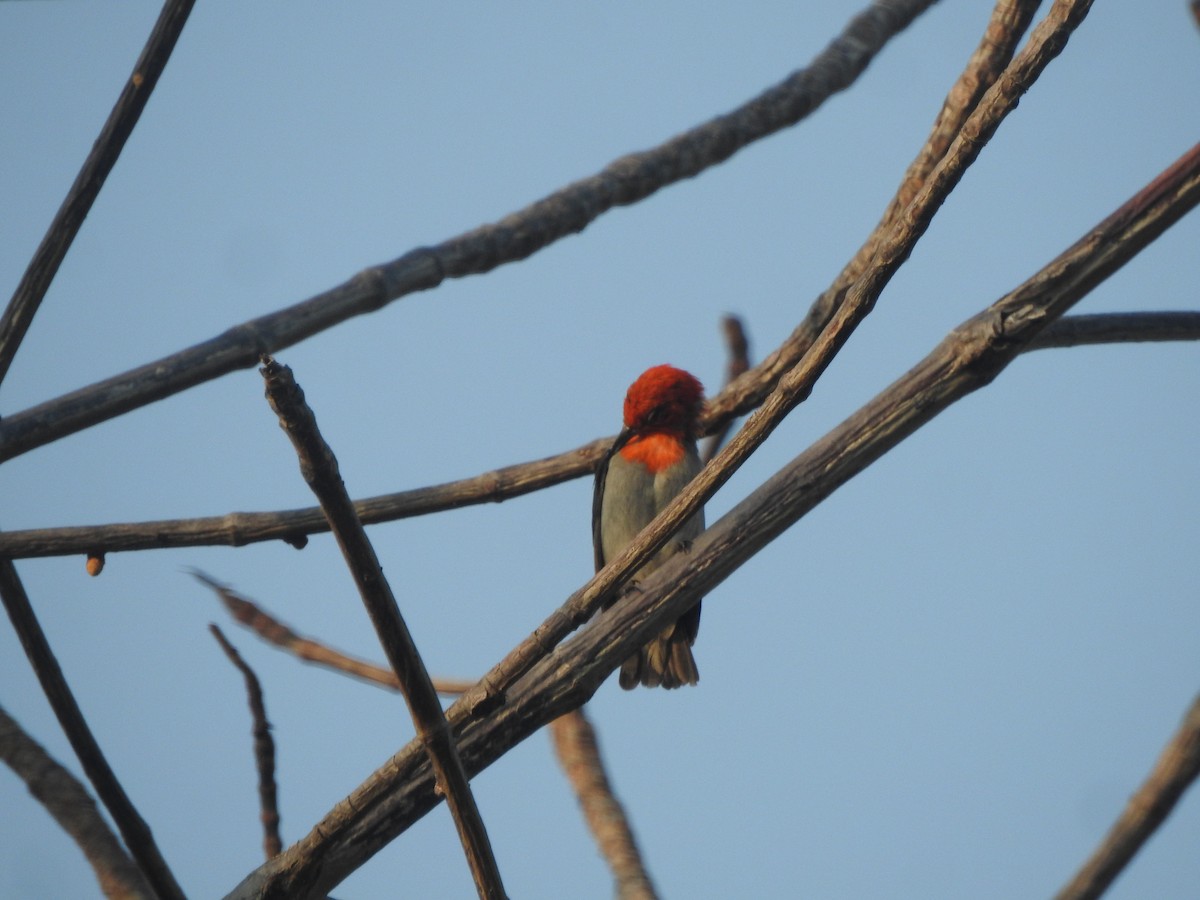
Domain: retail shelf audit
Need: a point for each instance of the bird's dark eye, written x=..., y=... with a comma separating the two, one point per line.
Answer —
x=655, y=415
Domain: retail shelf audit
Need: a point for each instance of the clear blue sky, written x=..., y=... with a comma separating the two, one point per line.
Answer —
x=944, y=682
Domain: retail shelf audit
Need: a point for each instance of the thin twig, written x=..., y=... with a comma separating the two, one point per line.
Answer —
x=280, y=635
x=238, y=529
x=565, y=212
x=320, y=471
x=1177, y=767
x=100, y=161
x=402, y=791
x=293, y=526
x=739, y=363
x=134, y=830
x=264, y=748
x=75, y=811
x=575, y=744
x=1118, y=328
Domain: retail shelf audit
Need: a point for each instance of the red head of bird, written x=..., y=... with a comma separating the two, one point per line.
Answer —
x=664, y=399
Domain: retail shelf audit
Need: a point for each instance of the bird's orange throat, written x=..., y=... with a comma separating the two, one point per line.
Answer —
x=656, y=450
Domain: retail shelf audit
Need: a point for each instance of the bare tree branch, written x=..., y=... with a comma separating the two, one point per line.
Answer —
x=75, y=811
x=1119, y=328
x=134, y=830
x=1176, y=769
x=567, y=211
x=970, y=357
x=276, y=633
x=320, y=471
x=1009, y=21
x=237, y=529
x=1008, y=24
x=575, y=744
x=738, y=365
x=294, y=526
x=100, y=161
x=264, y=748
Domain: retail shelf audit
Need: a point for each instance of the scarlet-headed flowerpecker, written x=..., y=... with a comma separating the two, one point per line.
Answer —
x=651, y=461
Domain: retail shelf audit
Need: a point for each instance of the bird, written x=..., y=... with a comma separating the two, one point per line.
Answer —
x=651, y=461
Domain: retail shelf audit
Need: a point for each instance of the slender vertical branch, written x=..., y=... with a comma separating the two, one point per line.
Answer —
x=264, y=748
x=579, y=754
x=320, y=471
x=133, y=829
x=1177, y=767
x=739, y=363
x=100, y=161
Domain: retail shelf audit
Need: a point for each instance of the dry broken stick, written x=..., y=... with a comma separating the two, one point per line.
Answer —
x=1176, y=770
x=133, y=828
x=739, y=363
x=100, y=161
x=320, y=471
x=264, y=748
x=278, y=634
x=75, y=811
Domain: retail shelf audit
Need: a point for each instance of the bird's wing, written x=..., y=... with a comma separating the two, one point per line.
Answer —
x=598, y=495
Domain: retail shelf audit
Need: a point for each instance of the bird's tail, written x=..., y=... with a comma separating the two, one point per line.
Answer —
x=667, y=660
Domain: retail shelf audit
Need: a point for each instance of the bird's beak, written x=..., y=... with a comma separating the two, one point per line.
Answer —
x=622, y=439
